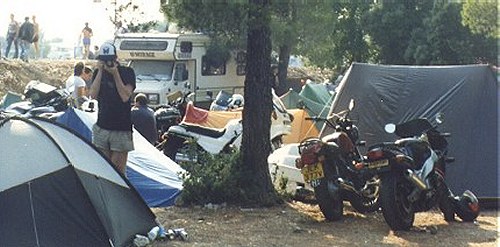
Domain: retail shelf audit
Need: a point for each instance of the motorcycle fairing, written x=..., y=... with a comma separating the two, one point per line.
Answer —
x=215, y=133
x=417, y=149
x=427, y=168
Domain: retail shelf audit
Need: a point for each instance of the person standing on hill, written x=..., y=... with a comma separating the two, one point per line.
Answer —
x=112, y=87
x=26, y=32
x=12, y=34
x=86, y=34
x=36, y=36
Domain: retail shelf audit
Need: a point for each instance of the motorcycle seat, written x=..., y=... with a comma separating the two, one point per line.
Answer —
x=211, y=132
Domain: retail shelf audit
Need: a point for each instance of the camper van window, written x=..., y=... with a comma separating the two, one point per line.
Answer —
x=241, y=57
x=208, y=67
x=144, y=45
x=152, y=70
x=181, y=73
x=186, y=47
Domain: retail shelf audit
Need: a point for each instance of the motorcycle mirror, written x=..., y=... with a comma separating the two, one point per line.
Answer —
x=390, y=128
x=351, y=104
x=190, y=96
x=440, y=118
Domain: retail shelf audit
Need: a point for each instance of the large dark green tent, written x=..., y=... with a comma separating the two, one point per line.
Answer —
x=467, y=95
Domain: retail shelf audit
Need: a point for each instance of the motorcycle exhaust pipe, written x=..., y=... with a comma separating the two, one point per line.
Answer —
x=410, y=175
x=346, y=186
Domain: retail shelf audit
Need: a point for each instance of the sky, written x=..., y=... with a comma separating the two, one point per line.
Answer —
x=66, y=18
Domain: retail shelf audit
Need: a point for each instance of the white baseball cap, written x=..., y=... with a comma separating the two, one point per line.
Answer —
x=107, y=52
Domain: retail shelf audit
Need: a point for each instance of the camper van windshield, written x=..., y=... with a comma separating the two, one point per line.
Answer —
x=153, y=70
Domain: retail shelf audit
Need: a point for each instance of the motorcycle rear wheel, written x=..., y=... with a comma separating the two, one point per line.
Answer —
x=397, y=210
x=330, y=205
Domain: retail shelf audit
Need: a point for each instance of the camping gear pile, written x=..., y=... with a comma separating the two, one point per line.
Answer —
x=219, y=131
x=38, y=99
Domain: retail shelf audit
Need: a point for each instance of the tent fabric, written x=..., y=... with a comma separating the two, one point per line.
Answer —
x=301, y=128
x=313, y=100
x=58, y=190
x=466, y=95
x=153, y=174
x=316, y=92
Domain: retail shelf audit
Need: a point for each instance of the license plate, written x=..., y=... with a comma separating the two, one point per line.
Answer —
x=312, y=172
x=377, y=164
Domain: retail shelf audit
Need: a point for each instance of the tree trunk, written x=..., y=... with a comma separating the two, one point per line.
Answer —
x=255, y=180
x=284, y=58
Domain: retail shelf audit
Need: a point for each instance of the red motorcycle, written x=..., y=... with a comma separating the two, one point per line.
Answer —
x=328, y=165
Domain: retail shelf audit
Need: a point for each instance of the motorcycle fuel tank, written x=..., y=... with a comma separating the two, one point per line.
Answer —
x=342, y=140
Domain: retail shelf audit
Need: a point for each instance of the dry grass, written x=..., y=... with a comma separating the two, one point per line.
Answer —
x=300, y=224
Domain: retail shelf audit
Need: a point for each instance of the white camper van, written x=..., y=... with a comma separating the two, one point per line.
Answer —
x=165, y=63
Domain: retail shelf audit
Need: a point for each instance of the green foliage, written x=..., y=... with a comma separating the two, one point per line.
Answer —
x=131, y=17
x=392, y=26
x=426, y=32
x=280, y=182
x=225, y=20
x=447, y=41
x=209, y=178
x=218, y=52
x=333, y=35
x=481, y=17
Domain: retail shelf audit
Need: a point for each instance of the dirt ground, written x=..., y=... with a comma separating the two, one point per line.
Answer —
x=300, y=224
x=291, y=224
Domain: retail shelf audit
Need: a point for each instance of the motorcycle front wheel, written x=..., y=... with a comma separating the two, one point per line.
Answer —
x=445, y=201
x=276, y=143
x=397, y=209
x=172, y=145
x=369, y=201
x=330, y=203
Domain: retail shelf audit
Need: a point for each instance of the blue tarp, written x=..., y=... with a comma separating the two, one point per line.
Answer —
x=152, y=173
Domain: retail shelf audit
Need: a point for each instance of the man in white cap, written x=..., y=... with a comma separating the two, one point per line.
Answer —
x=112, y=86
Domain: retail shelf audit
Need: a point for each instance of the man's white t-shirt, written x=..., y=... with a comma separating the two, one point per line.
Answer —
x=74, y=82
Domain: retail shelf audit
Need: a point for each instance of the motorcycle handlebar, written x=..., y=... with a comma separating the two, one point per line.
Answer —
x=328, y=122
